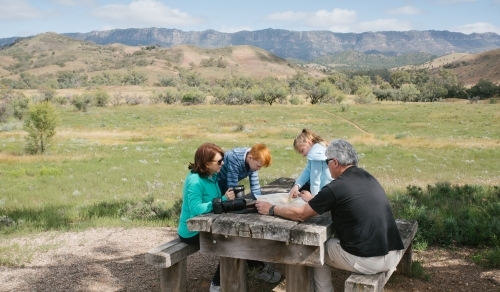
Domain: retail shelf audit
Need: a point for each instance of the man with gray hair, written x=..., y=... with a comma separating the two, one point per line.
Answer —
x=367, y=238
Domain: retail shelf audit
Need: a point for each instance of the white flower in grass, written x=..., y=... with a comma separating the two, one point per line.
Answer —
x=76, y=193
x=124, y=179
x=143, y=161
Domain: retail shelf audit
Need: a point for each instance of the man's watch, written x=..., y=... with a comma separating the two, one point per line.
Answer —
x=271, y=210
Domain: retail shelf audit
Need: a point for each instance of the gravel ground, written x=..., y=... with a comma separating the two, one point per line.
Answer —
x=112, y=259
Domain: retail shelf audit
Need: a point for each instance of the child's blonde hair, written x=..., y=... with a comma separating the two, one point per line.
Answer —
x=307, y=136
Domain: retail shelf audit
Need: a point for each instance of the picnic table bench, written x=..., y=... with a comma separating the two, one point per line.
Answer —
x=236, y=237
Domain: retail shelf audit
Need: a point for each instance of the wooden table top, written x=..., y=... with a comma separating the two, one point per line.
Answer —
x=314, y=231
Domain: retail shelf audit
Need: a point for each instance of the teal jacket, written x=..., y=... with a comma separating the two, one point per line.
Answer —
x=197, y=196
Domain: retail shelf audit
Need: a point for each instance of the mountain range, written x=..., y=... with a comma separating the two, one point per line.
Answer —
x=301, y=45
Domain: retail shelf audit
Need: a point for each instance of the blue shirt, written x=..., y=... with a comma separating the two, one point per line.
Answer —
x=316, y=171
x=236, y=169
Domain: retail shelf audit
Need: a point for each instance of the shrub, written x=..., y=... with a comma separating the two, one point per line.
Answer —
x=489, y=258
x=171, y=96
x=294, y=100
x=83, y=102
x=193, y=97
x=5, y=112
x=166, y=81
x=101, y=98
x=40, y=123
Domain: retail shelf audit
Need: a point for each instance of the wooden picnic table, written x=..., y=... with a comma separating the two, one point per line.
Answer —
x=237, y=237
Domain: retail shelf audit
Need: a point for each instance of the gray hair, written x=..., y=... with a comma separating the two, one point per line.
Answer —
x=343, y=152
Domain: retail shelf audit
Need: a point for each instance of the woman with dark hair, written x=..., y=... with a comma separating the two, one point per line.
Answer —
x=200, y=188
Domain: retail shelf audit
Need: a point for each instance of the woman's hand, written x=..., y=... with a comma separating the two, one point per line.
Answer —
x=305, y=195
x=294, y=192
x=229, y=194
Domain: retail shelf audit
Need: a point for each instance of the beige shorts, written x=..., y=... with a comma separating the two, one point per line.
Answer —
x=339, y=258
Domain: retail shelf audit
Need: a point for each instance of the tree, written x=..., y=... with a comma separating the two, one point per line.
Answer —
x=271, y=91
x=398, y=78
x=322, y=92
x=483, y=89
x=41, y=122
x=135, y=78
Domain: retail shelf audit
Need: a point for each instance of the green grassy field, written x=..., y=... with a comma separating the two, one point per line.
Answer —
x=128, y=153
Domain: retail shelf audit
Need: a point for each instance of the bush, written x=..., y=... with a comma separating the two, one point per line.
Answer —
x=101, y=98
x=193, y=97
x=452, y=214
x=83, y=102
x=166, y=81
x=40, y=123
x=171, y=96
x=489, y=258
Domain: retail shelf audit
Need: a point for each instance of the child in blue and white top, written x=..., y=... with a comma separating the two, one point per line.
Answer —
x=316, y=174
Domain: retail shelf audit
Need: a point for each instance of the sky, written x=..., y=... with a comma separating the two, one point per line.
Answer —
x=19, y=18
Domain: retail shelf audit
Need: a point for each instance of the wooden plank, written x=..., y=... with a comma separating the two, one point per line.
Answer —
x=407, y=230
x=299, y=278
x=202, y=222
x=365, y=283
x=173, y=279
x=315, y=231
x=254, y=226
x=261, y=250
x=169, y=253
x=233, y=275
x=375, y=283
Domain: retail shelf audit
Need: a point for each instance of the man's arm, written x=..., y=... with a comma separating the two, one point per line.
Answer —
x=301, y=213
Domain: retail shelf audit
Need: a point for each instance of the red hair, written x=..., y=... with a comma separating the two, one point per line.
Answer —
x=261, y=153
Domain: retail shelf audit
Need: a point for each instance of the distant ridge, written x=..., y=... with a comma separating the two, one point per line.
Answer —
x=303, y=45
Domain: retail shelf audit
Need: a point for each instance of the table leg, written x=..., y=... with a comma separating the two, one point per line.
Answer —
x=299, y=278
x=233, y=275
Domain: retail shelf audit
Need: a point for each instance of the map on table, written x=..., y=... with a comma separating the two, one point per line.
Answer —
x=281, y=199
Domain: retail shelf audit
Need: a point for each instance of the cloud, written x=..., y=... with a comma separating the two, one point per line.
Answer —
x=478, y=27
x=18, y=10
x=74, y=2
x=384, y=25
x=235, y=29
x=450, y=2
x=405, y=10
x=320, y=19
x=145, y=13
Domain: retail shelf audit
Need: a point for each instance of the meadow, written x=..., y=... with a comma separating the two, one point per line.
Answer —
x=104, y=161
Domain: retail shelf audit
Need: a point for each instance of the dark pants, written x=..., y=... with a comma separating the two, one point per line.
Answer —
x=216, y=278
x=305, y=187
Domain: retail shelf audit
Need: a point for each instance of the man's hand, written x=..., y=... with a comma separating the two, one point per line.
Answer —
x=263, y=207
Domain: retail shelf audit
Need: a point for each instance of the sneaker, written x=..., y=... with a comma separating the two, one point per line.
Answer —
x=268, y=274
x=214, y=288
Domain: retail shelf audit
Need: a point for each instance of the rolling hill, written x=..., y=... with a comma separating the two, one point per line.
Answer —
x=49, y=53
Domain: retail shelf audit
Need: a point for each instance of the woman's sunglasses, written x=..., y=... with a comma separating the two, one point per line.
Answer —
x=219, y=162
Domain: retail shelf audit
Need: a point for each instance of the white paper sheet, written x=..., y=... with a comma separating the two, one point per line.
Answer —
x=281, y=199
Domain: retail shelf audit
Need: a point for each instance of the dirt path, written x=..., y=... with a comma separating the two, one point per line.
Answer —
x=112, y=259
